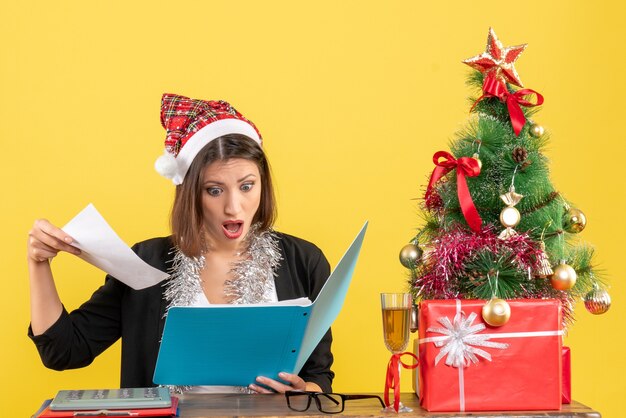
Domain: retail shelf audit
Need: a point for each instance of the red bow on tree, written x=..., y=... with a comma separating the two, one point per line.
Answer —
x=465, y=166
x=496, y=88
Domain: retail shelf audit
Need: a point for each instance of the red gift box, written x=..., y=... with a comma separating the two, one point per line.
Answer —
x=567, y=376
x=513, y=367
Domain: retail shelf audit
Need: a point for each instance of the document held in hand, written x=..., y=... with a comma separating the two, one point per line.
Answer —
x=103, y=248
x=233, y=344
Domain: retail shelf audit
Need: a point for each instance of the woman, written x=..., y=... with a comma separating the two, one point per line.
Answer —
x=222, y=250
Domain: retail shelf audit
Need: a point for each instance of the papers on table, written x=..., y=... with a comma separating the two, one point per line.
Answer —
x=101, y=247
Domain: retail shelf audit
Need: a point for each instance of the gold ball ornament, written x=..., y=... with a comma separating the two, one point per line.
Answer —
x=496, y=312
x=427, y=259
x=536, y=131
x=510, y=217
x=564, y=277
x=477, y=158
x=574, y=220
x=598, y=301
x=410, y=255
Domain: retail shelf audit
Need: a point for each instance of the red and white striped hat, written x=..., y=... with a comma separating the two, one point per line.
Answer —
x=190, y=124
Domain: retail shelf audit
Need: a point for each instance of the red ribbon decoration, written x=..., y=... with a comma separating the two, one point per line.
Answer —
x=465, y=166
x=393, y=377
x=495, y=88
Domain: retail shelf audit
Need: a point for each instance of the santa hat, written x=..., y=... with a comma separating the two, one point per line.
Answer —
x=190, y=124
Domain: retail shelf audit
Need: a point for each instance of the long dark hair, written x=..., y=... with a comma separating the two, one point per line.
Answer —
x=186, y=219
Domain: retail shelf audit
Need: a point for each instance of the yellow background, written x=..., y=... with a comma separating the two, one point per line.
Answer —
x=352, y=98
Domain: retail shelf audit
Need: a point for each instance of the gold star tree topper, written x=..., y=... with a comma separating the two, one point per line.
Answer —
x=498, y=61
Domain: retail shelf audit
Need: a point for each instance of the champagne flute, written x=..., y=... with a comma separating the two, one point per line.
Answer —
x=396, y=310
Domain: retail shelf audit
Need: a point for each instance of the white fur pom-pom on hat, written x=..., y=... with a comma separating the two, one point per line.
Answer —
x=166, y=165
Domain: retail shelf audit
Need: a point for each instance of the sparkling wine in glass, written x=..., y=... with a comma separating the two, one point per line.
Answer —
x=396, y=311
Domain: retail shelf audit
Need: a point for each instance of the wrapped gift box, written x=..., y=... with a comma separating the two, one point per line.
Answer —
x=513, y=367
x=567, y=376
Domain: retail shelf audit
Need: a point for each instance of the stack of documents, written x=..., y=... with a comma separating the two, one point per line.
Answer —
x=137, y=402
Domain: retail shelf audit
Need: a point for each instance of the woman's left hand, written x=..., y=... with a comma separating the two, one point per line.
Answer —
x=294, y=382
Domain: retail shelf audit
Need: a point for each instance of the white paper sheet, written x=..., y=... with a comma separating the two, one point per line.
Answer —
x=102, y=248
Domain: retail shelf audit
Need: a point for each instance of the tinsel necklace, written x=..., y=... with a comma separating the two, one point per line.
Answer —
x=252, y=276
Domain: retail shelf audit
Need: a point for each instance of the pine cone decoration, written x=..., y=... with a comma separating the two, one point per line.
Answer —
x=520, y=154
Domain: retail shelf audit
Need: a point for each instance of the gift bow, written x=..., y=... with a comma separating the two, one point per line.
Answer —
x=495, y=88
x=462, y=340
x=393, y=377
x=465, y=166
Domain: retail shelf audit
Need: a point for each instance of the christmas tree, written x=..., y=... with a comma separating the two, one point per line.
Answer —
x=495, y=227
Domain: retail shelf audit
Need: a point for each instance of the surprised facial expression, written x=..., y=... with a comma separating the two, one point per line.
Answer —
x=231, y=196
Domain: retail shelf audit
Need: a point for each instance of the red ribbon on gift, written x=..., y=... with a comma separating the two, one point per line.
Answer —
x=465, y=166
x=514, y=101
x=393, y=377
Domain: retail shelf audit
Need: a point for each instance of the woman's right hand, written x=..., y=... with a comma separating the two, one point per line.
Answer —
x=46, y=240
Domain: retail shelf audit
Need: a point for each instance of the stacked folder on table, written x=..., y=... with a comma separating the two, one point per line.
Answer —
x=135, y=402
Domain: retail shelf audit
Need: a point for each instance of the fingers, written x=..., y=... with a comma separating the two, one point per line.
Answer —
x=259, y=389
x=294, y=382
x=46, y=240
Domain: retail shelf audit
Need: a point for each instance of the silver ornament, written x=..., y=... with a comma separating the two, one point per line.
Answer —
x=597, y=301
x=410, y=255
